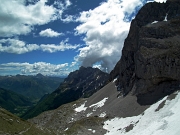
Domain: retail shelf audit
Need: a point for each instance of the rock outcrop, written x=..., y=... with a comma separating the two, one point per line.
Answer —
x=150, y=62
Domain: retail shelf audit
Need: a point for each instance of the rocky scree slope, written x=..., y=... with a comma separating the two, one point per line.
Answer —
x=150, y=62
x=81, y=83
x=105, y=113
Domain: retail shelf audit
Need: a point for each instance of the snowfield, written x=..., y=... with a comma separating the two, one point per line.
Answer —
x=98, y=104
x=161, y=118
x=94, y=106
x=81, y=108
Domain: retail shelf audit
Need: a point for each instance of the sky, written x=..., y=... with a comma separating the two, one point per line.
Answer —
x=56, y=37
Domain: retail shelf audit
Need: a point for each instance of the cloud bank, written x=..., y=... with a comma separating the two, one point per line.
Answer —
x=17, y=46
x=35, y=68
x=105, y=29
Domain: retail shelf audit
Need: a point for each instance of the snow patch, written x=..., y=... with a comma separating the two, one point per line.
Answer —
x=165, y=19
x=81, y=108
x=98, y=104
x=89, y=114
x=97, y=78
x=102, y=114
x=166, y=121
x=154, y=22
x=115, y=79
x=66, y=129
x=92, y=130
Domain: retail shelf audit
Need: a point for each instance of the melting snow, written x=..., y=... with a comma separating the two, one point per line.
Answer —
x=81, y=108
x=165, y=121
x=89, y=114
x=115, y=79
x=98, y=104
x=66, y=129
x=92, y=130
x=165, y=19
x=154, y=22
x=102, y=115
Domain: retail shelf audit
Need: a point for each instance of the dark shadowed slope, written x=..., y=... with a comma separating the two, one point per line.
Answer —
x=13, y=102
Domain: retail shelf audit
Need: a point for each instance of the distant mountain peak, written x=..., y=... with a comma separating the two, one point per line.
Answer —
x=40, y=75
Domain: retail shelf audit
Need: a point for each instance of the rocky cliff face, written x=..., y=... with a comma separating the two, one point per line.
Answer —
x=85, y=80
x=150, y=62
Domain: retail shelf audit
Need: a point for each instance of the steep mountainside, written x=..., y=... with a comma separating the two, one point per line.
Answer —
x=150, y=62
x=80, y=83
x=14, y=102
x=33, y=87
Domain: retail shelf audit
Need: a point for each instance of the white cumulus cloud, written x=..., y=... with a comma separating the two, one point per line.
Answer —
x=61, y=47
x=49, y=33
x=16, y=46
x=18, y=18
x=105, y=29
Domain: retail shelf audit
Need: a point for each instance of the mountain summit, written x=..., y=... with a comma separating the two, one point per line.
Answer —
x=150, y=62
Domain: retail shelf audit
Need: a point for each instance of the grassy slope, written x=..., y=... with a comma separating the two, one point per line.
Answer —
x=10, y=124
x=13, y=102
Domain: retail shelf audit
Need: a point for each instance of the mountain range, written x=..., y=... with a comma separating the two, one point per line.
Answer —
x=141, y=96
x=81, y=83
x=32, y=87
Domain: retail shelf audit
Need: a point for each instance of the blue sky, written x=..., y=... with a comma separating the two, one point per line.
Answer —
x=55, y=37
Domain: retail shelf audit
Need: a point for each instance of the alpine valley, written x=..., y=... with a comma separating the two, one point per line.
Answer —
x=141, y=95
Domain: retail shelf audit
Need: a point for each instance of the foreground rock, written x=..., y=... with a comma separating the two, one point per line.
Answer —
x=150, y=62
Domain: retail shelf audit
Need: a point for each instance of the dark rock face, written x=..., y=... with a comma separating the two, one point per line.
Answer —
x=150, y=62
x=86, y=80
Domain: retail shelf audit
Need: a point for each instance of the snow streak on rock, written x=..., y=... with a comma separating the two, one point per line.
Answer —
x=102, y=115
x=162, y=118
x=98, y=104
x=81, y=108
x=154, y=22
